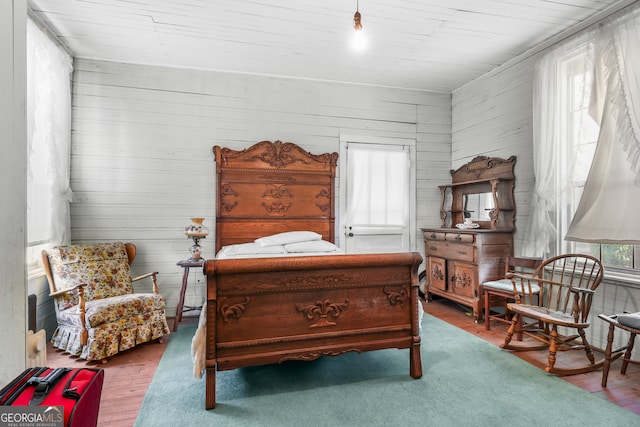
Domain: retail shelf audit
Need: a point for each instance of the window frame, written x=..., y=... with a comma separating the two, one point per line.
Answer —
x=569, y=189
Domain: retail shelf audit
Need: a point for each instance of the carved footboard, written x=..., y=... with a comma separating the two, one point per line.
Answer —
x=269, y=310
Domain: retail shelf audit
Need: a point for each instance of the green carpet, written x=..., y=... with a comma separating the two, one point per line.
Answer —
x=466, y=382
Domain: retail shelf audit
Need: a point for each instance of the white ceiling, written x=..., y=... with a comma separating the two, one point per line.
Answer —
x=434, y=45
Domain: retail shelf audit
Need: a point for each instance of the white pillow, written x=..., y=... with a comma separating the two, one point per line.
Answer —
x=250, y=249
x=288, y=237
x=311, y=246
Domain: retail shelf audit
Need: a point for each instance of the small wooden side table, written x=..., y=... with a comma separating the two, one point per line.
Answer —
x=186, y=265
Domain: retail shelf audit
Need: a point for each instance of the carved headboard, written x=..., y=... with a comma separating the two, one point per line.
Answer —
x=273, y=187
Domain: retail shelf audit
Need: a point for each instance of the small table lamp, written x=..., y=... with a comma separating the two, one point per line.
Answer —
x=196, y=231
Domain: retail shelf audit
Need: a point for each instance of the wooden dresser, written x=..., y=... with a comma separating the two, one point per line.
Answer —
x=460, y=258
x=459, y=261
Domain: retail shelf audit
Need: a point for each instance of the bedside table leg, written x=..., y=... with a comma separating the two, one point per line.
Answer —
x=180, y=307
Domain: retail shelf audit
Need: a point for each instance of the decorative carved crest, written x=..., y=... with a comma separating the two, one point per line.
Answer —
x=277, y=207
x=396, y=297
x=324, y=208
x=227, y=190
x=277, y=154
x=232, y=311
x=323, y=310
x=325, y=192
x=227, y=207
x=484, y=167
x=276, y=191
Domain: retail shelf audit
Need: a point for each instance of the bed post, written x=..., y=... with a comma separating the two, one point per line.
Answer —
x=415, y=361
x=212, y=309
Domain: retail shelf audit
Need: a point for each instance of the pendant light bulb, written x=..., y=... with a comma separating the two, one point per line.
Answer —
x=358, y=42
x=357, y=21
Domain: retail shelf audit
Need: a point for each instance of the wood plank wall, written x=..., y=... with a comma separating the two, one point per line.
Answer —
x=492, y=116
x=142, y=163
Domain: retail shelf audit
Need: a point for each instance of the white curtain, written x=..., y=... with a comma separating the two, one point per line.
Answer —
x=610, y=204
x=376, y=189
x=49, y=70
x=549, y=100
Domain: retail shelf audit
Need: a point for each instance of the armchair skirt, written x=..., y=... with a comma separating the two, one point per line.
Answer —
x=115, y=324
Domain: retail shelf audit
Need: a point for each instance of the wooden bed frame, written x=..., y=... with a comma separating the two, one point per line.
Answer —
x=270, y=310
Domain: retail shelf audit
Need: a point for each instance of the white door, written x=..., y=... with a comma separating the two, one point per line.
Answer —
x=376, y=187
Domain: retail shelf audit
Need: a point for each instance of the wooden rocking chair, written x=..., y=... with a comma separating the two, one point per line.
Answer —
x=566, y=285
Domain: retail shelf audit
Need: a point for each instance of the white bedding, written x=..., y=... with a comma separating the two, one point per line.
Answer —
x=255, y=250
x=287, y=254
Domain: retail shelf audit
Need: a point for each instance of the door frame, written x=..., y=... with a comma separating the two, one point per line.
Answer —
x=342, y=168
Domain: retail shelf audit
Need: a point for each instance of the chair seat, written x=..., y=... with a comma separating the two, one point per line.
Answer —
x=631, y=320
x=632, y=326
x=506, y=285
x=107, y=310
x=545, y=314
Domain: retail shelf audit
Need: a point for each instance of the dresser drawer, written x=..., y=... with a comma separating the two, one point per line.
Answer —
x=434, y=235
x=459, y=237
x=449, y=250
x=448, y=236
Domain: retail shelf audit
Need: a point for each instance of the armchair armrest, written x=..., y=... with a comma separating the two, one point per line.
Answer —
x=582, y=298
x=84, y=334
x=512, y=275
x=153, y=279
x=64, y=291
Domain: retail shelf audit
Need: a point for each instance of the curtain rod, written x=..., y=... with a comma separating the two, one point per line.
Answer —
x=558, y=38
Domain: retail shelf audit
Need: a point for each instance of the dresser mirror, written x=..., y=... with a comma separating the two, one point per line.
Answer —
x=477, y=206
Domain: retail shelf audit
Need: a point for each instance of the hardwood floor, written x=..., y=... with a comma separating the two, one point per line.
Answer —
x=126, y=380
x=128, y=375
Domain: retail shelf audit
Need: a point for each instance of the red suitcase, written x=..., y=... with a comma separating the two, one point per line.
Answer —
x=77, y=391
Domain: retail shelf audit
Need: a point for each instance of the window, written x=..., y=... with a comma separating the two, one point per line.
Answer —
x=583, y=143
x=48, y=139
x=580, y=134
x=376, y=207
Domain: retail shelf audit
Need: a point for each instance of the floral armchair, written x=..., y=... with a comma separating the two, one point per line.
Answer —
x=97, y=312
